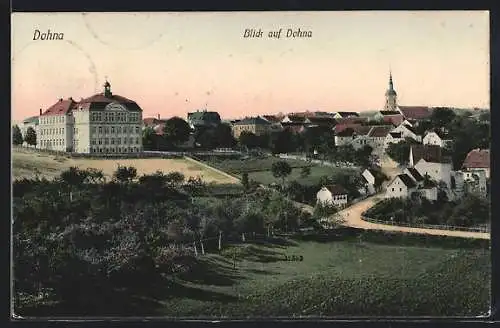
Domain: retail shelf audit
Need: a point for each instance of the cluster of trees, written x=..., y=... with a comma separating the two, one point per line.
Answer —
x=471, y=211
x=81, y=238
x=177, y=131
x=29, y=138
x=466, y=133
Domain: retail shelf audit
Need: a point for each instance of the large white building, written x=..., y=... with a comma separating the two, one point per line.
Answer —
x=102, y=123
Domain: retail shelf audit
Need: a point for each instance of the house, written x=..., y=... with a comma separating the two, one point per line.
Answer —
x=345, y=137
x=393, y=137
x=203, y=119
x=407, y=131
x=402, y=186
x=340, y=115
x=469, y=182
x=373, y=180
x=437, y=138
x=376, y=137
x=332, y=195
x=414, y=175
x=151, y=122
x=30, y=122
x=349, y=122
x=255, y=125
x=415, y=113
x=437, y=170
x=389, y=116
x=361, y=137
x=478, y=159
x=429, y=152
x=275, y=122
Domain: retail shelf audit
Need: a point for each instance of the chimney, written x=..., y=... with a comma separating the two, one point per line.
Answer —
x=158, y=116
x=40, y=112
x=60, y=99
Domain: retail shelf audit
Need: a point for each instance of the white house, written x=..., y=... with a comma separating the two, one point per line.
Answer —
x=429, y=192
x=433, y=138
x=437, y=171
x=407, y=132
x=478, y=159
x=400, y=187
x=332, y=195
x=377, y=137
x=30, y=122
x=393, y=137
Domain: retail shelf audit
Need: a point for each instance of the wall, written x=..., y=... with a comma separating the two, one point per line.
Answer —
x=397, y=189
x=437, y=171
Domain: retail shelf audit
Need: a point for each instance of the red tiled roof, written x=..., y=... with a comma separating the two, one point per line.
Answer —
x=336, y=189
x=394, y=119
x=379, y=131
x=416, y=112
x=477, y=158
x=341, y=127
x=101, y=98
x=351, y=120
x=61, y=107
x=362, y=130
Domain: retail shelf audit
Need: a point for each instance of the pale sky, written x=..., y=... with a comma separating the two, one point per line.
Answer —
x=173, y=63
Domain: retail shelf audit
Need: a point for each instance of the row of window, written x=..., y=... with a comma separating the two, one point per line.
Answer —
x=117, y=129
x=114, y=117
x=113, y=141
x=51, y=131
x=115, y=150
x=52, y=142
x=52, y=119
x=339, y=197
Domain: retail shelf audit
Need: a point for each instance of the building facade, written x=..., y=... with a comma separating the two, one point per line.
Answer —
x=103, y=123
x=255, y=125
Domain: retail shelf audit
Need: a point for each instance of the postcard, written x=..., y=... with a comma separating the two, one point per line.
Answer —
x=242, y=165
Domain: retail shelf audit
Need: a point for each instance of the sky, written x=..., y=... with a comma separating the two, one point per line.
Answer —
x=175, y=63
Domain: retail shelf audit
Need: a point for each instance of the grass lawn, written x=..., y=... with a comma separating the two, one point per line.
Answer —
x=266, y=177
x=26, y=163
x=238, y=166
x=343, y=278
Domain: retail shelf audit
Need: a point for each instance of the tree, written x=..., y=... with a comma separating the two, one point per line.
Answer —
x=148, y=139
x=305, y=172
x=442, y=116
x=244, y=180
x=17, y=137
x=30, y=137
x=281, y=170
x=248, y=139
x=176, y=130
x=400, y=152
x=223, y=136
x=125, y=174
x=283, y=142
x=175, y=179
x=73, y=177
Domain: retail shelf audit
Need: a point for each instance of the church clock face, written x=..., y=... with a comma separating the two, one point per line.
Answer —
x=115, y=107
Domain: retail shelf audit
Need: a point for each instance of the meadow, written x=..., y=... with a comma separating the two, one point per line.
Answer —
x=344, y=278
x=26, y=164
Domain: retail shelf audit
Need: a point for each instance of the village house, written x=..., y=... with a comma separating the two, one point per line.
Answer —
x=407, y=131
x=393, y=138
x=340, y=115
x=377, y=136
x=478, y=159
x=30, y=122
x=402, y=186
x=350, y=122
x=255, y=125
x=437, y=138
x=469, y=182
x=393, y=117
x=361, y=137
x=203, y=119
x=275, y=122
x=373, y=181
x=332, y=195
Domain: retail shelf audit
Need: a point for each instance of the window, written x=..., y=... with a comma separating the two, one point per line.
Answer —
x=119, y=149
x=100, y=129
x=137, y=140
x=136, y=129
x=111, y=117
x=100, y=141
x=118, y=140
x=400, y=189
x=124, y=141
x=94, y=129
x=106, y=129
x=112, y=141
x=106, y=141
x=119, y=129
x=112, y=129
x=392, y=189
x=131, y=141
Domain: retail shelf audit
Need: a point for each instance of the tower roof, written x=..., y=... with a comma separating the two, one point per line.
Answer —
x=390, y=91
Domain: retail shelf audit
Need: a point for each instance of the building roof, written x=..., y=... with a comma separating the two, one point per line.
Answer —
x=415, y=174
x=441, y=134
x=336, y=189
x=323, y=120
x=347, y=132
x=416, y=112
x=362, y=130
x=389, y=112
x=62, y=107
x=430, y=153
x=272, y=118
x=252, y=121
x=409, y=128
x=158, y=129
x=477, y=158
x=348, y=114
x=31, y=120
x=408, y=182
x=204, y=115
x=296, y=118
x=379, y=131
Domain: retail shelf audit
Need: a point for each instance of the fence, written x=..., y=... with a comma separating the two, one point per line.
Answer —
x=317, y=161
x=427, y=226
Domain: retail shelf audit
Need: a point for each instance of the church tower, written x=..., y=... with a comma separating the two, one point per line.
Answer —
x=391, y=97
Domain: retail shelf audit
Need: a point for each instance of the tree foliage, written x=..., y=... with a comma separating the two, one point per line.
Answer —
x=176, y=130
x=30, y=137
x=17, y=137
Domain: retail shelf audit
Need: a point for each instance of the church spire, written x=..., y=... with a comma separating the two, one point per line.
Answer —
x=390, y=95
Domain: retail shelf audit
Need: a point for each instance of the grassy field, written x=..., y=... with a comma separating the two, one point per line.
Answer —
x=266, y=177
x=27, y=163
x=259, y=169
x=342, y=278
